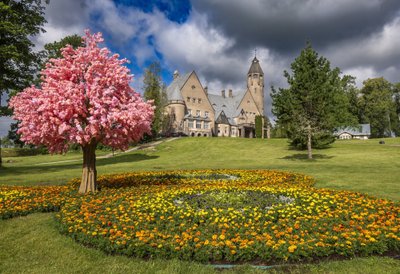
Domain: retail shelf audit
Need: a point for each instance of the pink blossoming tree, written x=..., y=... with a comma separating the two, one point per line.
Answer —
x=85, y=99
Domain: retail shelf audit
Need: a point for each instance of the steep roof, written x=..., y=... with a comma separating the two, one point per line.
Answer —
x=174, y=89
x=255, y=67
x=229, y=105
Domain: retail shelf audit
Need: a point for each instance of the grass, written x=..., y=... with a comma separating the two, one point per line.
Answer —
x=364, y=166
x=32, y=244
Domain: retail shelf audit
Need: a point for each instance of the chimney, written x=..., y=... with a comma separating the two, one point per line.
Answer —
x=206, y=89
x=230, y=93
x=176, y=74
x=223, y=93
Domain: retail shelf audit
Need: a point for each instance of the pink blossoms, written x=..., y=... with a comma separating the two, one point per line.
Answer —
x=85, y=98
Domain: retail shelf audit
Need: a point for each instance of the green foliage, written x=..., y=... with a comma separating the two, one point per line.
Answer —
x=20, y=20
x=53, y=50
x=154, y=89
x=14, y=136
x=378, y=107
x=259, y=125
x=18, y=152
x=316, y=102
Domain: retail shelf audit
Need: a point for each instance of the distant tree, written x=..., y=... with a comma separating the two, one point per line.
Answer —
x=154, y=89
x=53, y=50
x=396, y=97
x=86, y=99
x=14, y=136
x=20, y=20
x=377, y=106
x=315, y=104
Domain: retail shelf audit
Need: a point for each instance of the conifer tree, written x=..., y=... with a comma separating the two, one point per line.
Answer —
x=315, y=103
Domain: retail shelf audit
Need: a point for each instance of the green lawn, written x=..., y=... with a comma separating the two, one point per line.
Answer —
x=32, y=244
x=364, y=166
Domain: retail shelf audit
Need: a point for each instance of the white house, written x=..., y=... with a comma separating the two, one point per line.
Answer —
x=363, y=132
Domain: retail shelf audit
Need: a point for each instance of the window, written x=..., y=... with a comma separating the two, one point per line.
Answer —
x=206, y=114
x=189, y=111
x=198, y=112
x=233, y=131
x=199, y=100
x=190, y=123
x=206, y=125
x=193, y=100
x=198, y=124
x=193, y=86
x=188, y=99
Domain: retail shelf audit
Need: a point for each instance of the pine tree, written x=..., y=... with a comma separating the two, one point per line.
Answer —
x=315, y=104
x=154, y=89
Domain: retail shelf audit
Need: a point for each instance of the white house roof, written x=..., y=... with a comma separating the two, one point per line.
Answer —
x=362, y=129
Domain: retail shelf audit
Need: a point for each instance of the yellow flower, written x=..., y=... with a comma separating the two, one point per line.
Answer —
x=292, y=248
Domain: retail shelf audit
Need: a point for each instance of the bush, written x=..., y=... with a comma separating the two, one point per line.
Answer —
x=18, y=152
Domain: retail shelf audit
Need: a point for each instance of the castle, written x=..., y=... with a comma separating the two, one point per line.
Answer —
x=193, y=111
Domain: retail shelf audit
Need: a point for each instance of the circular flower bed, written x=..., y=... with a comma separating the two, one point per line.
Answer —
x=230, y=215
x=22, y=200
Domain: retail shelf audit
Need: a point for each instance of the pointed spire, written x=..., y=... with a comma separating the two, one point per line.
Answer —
x=255, y=67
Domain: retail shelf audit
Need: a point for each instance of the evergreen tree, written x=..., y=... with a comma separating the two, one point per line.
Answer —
x=315, y=104
x=20, y=20
x=377, y=106
x=154, y=89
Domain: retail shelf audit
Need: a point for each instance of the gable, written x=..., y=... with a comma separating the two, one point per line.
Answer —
x=248, y=104
x=194, y=94
x=222, y=119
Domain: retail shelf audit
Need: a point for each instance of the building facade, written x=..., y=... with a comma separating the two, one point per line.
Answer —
x=194, y=111
x=362, y=132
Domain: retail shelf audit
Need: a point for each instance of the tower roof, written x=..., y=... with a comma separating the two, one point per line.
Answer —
x=255, y=67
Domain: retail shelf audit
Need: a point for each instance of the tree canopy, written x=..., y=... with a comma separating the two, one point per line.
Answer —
x=86, y=99
x=154, y=89
x=377, y=105
x=20, y=20
x=315, y=103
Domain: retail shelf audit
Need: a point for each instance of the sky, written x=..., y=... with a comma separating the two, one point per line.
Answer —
x=218, y=38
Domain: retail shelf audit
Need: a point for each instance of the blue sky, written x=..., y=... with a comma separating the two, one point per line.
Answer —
x=217, y=38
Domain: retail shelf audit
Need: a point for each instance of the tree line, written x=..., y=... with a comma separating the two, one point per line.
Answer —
x=319, y=101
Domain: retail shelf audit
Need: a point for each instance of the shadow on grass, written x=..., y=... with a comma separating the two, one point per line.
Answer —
x=37, y=169
x=304, y=157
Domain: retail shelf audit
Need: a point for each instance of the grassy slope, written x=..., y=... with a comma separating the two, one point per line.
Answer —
x=32, y=244
x=362, y=166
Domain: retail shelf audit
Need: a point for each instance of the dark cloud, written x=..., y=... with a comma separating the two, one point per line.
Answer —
x=286, y=25
x=61, y=13
x=217, y=38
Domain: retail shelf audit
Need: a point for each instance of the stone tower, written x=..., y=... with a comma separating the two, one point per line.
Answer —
x=255, y=84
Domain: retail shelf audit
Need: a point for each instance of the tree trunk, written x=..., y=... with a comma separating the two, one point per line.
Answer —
x=89, y=172
x=309, y=148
